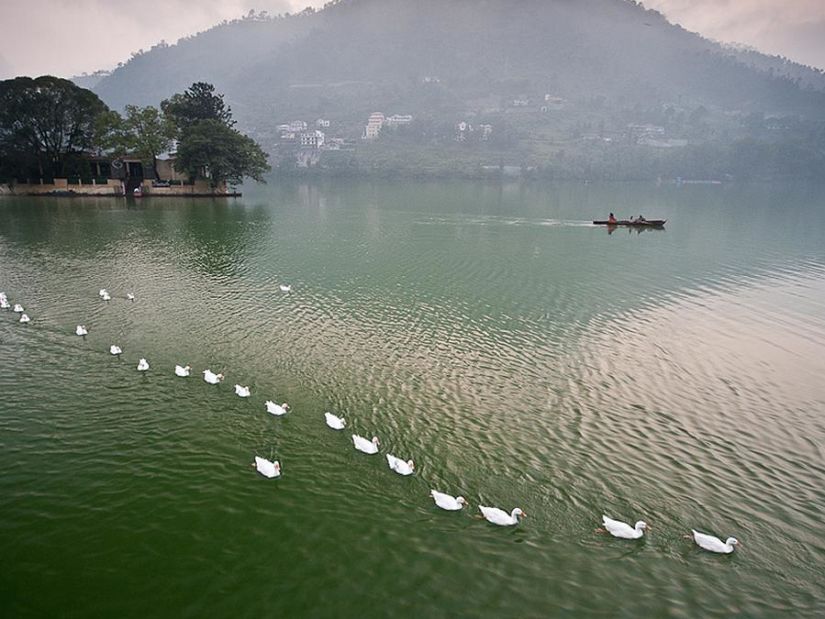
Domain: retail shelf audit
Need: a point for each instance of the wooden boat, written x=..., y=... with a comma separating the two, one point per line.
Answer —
x=648, y=223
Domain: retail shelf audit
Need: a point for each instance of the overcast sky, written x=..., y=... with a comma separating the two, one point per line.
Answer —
x=68, y=37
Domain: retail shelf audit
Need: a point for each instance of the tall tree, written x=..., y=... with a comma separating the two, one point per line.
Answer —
x=147, y=133
x=199, y=102
x=221, y=152
x=46, y=121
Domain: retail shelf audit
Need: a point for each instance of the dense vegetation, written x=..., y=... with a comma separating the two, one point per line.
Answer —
x=611, y=63
x=50, y=127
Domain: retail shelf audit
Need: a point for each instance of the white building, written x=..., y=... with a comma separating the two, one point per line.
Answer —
x=312, y=139
x=374, y=125
x=323, y=123
x=398, y=119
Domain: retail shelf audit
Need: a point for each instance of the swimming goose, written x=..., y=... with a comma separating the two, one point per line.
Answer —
x=130, y=296
x=336, y=423
x=399, y=466
x=617, y=528
x=276, y=409
x=267, y=468
x=445, y=501
x=115, y=350
x=106, y=297
x=103, y=292
x=24, y=318
x=143, y=365
x=81, y=330
x=4, y=303
x=714, y=544
x=212, y=378
x=362, y=444
x=182, y=371
x=242, y=392
x=501, y=517
x=285, y=287
x=18, y=308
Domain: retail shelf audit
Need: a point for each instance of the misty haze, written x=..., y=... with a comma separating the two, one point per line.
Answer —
x=414, y=308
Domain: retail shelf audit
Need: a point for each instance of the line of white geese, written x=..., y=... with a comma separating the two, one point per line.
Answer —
x=272, y=468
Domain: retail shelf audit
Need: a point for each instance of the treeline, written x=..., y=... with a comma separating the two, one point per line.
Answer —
x=50, y=127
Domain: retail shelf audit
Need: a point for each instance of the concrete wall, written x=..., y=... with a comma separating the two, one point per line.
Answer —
x=112, y=187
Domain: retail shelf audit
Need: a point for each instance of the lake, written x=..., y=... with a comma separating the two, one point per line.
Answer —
x=521, y=356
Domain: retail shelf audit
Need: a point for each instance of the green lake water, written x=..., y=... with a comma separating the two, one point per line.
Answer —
x=522, y=358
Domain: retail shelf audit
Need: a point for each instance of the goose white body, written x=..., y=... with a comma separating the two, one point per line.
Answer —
x=115, y=350
x=143, y=365
x=499, y=516
x=617, y=528
x=81, y=330
x=276, y=409
x=336, y=423
x=448, y=502
x=285, y=288
x=242, y=392
x=102, y=292
x=130, y=296
x=4, y=304
x=24, y=318
x=400, y=466
x=18, y=308
x=106, y=297
x=212, y=378
x=714, y=544
x=364, y=445
x=182, y=371
x=267, y=468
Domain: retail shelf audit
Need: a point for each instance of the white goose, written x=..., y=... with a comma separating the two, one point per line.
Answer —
x=143, y=365
x=267, y=468
x=501, y=517
x=242, y=392
x=276, y=409
x=4, y=304
x=285, y=287
x=130, y=296
x=336, y=423
x=24, y=318
x=103, y=292
x=212, y=378
x=714, y=544
x=81, y=330
x=115, y=350
x=362, y=444
x=106, y=297
x=399, y=466
x=182, y=370
x=448, y=502
x=617, y=528
x=18, y=308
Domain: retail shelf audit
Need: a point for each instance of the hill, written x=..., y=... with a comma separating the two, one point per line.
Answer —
x=601, y=65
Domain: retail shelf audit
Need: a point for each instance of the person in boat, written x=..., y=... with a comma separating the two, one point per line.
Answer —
x=611, y=219
x=641, y=219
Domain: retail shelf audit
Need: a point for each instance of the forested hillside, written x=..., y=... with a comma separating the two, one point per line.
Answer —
x=604, y=64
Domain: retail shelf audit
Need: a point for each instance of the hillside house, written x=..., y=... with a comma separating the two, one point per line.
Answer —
x=374, y=126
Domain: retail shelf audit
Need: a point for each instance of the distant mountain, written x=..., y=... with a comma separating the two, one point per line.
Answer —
x=375, y=53
x=90, y=80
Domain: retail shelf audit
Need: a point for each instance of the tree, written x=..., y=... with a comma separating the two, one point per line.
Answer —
x=147, y=133
x=199, y=102
x=221, y=152
x=45, y=123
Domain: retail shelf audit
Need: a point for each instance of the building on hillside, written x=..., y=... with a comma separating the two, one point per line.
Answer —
x=552, y=102
x=312, y=139
x=486, y=131
x=323, y=123
x=397, y=120
x=374, y=125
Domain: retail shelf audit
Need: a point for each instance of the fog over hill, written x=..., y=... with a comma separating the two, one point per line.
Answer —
x=609, y=62
x=572, y=48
